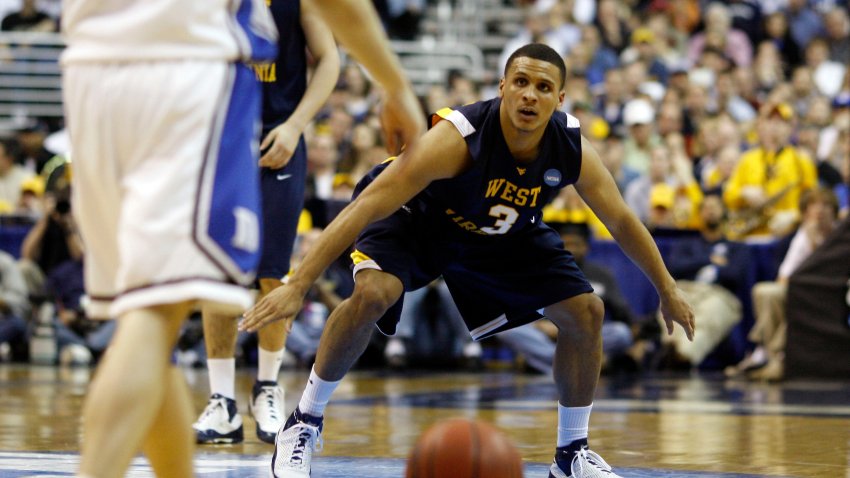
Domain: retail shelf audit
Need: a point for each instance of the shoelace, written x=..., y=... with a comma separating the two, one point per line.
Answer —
x=586, y=456
x=271, y=393
x=307, y=433
x=217, y=403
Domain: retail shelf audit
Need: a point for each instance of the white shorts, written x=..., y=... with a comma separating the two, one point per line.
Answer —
x=165, y=182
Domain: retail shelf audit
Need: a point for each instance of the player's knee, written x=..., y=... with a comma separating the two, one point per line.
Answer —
x=582, y=316
x=373, y=299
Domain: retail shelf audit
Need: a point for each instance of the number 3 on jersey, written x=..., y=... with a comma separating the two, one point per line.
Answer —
x=506, y=217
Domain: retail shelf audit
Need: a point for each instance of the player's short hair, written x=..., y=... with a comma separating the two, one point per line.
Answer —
x=539, y=51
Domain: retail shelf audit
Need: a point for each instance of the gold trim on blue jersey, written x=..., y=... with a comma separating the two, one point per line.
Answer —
x=357, y=257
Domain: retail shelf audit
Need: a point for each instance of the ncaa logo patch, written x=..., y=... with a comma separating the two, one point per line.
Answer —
x=552, y=177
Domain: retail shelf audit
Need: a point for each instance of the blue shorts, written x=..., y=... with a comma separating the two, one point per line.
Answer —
x=282, y=198
x=515, y=275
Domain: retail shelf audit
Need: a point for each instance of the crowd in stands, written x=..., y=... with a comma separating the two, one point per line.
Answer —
x=722, y=118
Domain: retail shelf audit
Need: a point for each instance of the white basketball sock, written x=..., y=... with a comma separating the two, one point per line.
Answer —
x=316, y=395
x=268, y=364
x=573, y=423
x=222, y=376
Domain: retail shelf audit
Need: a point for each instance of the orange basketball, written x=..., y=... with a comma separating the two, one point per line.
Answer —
x=460, y=448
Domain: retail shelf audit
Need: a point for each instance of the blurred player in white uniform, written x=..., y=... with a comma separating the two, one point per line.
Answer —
x=163, y=118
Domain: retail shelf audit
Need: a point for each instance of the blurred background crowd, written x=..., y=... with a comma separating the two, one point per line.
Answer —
x=726, y=125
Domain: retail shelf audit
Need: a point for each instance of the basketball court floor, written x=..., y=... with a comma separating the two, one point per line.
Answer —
x=687, y=425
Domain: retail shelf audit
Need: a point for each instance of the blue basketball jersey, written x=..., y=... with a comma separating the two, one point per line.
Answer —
x=285, y=79
x=499, y=195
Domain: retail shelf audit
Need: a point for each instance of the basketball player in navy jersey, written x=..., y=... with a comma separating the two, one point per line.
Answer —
x=465, y=203
x=289, y=104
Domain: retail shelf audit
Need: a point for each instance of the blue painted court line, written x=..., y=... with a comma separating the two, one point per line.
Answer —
x=30, y=465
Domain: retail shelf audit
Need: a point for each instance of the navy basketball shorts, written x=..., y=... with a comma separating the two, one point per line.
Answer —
x=488, y=276
x=282, y=198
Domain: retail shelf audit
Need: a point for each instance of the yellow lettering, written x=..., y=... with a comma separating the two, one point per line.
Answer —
x=521, y=196
x=493, y=187
x=534, y=192
x=468, y=225
x=509, y=188
x=266, y=72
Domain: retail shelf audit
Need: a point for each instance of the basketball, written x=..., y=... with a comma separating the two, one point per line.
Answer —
x=461, y=448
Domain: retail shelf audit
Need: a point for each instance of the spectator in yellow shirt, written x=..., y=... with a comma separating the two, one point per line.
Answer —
x=763, y=193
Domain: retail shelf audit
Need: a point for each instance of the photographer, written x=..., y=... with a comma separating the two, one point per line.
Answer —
x=53, y=240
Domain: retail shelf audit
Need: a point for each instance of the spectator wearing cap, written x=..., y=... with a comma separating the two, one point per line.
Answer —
x=31, y=204
x=718, y=25
x=644, y=49
x=765, y=188
x=677, y=189
x=639, y=119
x=12, y=177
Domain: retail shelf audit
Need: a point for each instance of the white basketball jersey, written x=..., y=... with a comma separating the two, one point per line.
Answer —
x=140, y=30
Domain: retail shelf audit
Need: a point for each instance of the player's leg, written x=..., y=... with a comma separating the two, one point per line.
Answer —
x=344, y=339
x=266, y=402
x=170, y=440
x=133, y=371
x=349, y=327
x=578, y=361
x=220, y=421
x=283, y=196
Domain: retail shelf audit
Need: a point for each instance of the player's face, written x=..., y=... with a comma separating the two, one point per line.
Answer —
x=531, y=92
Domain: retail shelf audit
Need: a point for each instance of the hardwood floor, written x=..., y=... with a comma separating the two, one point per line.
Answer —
x=683, y=425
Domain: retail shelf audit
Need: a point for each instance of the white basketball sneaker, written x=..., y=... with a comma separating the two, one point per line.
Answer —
x=265, y=405
x=220, y=422
x=581, y=463
x=294, y=445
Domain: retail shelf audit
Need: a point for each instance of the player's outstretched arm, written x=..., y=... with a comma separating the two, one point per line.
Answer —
x=281, y=142
x=441, y=153
x=599, y=191
x=355, y=24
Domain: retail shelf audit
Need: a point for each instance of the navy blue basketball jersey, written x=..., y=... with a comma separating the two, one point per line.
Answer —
x=284, y=80
x=499, y=195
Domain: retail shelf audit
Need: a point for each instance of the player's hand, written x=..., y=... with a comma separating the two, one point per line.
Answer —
x=402, y=119
x=754, y=196
x=279, y=146
x=283, y=303
x=674, y=308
